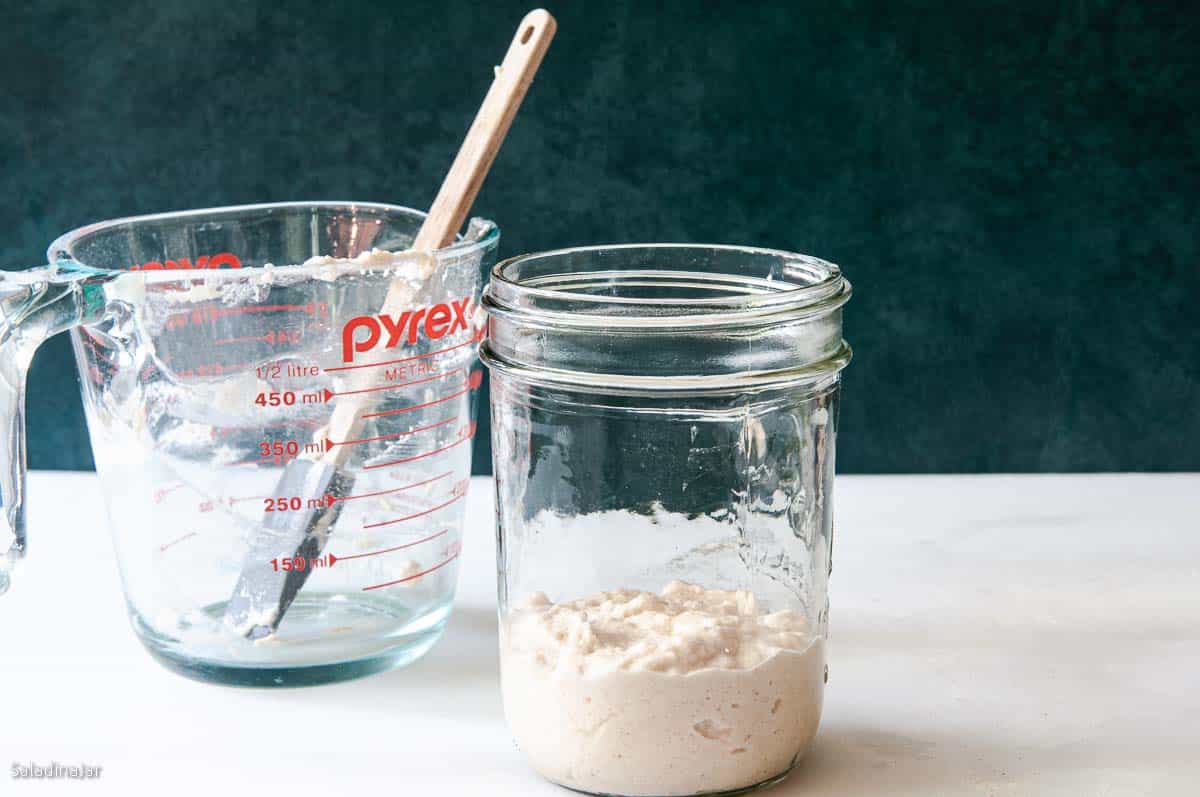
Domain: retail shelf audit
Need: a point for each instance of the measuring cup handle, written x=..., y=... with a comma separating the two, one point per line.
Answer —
x=34, y=305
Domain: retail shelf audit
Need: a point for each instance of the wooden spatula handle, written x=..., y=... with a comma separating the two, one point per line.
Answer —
x=461, y=186
x=453, y=201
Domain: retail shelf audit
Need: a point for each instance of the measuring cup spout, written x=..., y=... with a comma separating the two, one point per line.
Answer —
x=34, y=305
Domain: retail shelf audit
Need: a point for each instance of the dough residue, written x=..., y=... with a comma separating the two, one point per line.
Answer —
x=686, y=691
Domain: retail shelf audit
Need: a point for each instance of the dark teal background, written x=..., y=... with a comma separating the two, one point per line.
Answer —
x=1012, y=187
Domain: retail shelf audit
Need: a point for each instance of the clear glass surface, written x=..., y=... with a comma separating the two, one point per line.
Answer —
x=663, y=415
x=214, y=357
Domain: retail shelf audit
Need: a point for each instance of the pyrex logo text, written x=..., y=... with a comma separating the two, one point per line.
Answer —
x=434, y=322
x=219, y=260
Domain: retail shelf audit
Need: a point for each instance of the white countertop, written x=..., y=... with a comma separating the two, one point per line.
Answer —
x=990, y=635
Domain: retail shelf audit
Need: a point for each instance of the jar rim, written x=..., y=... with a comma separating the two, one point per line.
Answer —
x=811, y=376
x=805, y=285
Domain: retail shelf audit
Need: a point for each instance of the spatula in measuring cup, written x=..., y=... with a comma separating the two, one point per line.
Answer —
x=262, y=595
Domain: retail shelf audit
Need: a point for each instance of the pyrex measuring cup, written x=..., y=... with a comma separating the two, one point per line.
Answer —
x=212, y=346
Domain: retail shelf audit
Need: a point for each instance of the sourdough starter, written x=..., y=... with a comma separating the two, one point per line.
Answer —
x=689, y=691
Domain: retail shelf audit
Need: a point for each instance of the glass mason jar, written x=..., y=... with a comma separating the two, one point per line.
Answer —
x=663, y=426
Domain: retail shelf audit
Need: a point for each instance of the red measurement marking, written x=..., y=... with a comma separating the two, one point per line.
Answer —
x=402, y=359
x=233, y=501
x=100, y=354
x=417, y=406
x=162, y=548
x=422, y=513
x=333, y=558
x=98, y=349
x=438, y=566
x=212, y=369
x=269, y=338
x=330, y=499
x=460, y=441
x=330, y=444
x=202, y=314
x=433, y=378
x=473, y=382
x=283, y=336
x=289, y=398
x=310, y=308
x=162, y=493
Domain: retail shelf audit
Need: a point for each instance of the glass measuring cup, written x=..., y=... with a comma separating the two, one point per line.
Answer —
x=212, y=346
x=663, y=426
